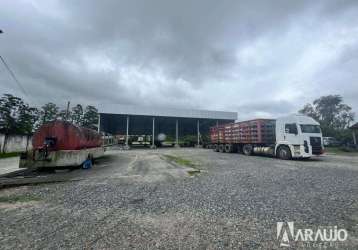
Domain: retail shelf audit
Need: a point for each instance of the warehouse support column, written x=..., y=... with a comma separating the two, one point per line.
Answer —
x=127, y=131
x=354, y=137
x=176, y=133
x=153, y=134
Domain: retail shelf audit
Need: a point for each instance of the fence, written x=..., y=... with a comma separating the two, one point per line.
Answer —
x=14, y=143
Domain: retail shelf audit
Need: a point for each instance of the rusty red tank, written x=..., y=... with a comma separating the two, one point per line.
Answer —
x=62, y=135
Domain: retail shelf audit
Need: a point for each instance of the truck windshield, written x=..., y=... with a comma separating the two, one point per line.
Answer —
x=308, y=128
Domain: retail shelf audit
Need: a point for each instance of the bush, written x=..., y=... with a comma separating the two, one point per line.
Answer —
x=349, y=148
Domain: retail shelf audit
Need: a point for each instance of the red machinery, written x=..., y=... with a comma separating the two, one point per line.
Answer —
x=62, y=144
x=63, y=135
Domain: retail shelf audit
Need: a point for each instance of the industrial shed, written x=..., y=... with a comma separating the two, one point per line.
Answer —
x=354, y=129
x=130, y=120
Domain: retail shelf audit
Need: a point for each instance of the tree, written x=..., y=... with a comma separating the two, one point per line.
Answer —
x=77, y=115
x=90, y=117
x=310, y=111
x=27, y=118
x=333, y=115
x=16, y=117
x=9, y=113
x=49, y=112
x=330, y=111
x=62, y=115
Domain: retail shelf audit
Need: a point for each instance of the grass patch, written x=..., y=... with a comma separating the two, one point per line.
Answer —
x=184, y=162
x=180, y=160
x=18, y=198
x=194, y=172
x=7, y=155
x=341, y=151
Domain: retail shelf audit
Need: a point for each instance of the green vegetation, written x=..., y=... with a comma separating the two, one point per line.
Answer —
x=341, y=151
x=193, y=172
x=6, y=155
x=180, y=160
x=188, y=140
x=184, y=162
x=334, y=116
x=17, y=117
x=18, y=198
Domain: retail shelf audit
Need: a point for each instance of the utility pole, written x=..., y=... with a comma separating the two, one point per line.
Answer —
x=99, y=123
x=67, y=110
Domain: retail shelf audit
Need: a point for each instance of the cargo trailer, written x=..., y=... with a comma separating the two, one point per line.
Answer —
x=294, y=136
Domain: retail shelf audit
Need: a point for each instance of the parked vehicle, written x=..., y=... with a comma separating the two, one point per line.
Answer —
x=62, y=144
x=294, y=136
x=330, y=142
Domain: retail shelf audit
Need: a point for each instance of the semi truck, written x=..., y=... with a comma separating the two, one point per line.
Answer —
x=293, y=136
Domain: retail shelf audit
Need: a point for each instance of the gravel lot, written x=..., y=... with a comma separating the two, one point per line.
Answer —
x=139, y=199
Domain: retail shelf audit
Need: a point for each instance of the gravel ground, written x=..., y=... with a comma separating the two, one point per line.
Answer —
x=137, y=199
x=8, y=165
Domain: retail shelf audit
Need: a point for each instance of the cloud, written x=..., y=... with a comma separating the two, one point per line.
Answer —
x=255, y=57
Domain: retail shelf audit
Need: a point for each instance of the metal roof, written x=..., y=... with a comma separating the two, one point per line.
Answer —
x=164, y=111
x=355, y=126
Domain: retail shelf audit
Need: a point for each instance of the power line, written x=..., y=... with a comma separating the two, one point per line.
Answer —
x=13, y=76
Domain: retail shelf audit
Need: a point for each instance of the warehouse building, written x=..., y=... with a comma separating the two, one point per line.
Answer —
x=131, y=120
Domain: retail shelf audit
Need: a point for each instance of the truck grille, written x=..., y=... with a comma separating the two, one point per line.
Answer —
x=316, y=145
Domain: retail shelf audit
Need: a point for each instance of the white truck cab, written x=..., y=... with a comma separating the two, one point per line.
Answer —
x=298, y=136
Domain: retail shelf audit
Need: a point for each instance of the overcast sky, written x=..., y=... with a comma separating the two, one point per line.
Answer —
x=259, y=58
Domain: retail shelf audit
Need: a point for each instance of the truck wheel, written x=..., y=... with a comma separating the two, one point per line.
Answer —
x=221, y=148
x=247, y=149
x=284, y=153
x=228, y=148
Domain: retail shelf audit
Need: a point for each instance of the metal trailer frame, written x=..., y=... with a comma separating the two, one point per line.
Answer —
x=237, y=137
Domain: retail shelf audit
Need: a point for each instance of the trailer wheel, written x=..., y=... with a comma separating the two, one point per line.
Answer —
x=215, y=147
x=284, y=153
x=228, y=148
x=221, y=148
x=247, y=149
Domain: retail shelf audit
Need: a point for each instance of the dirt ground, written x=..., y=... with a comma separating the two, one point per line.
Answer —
x=182, y=198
